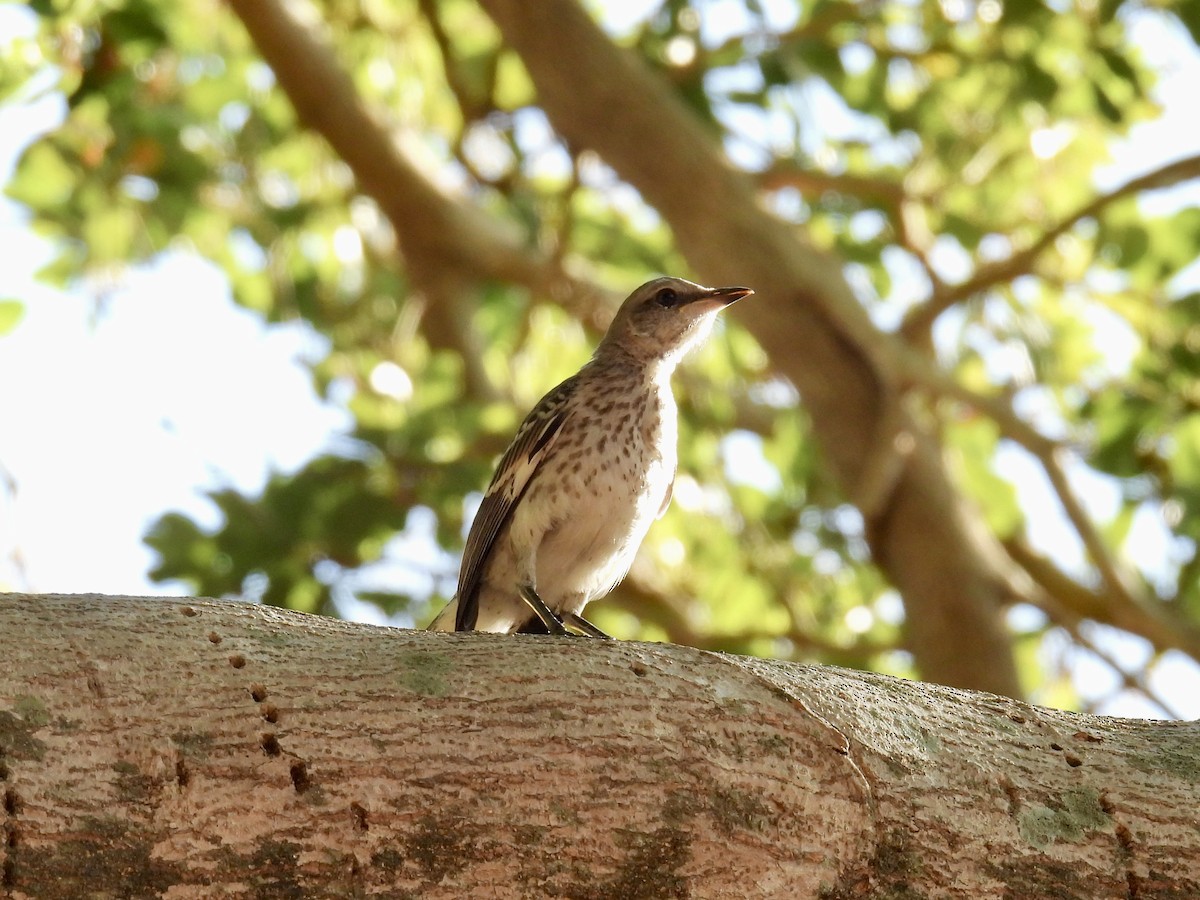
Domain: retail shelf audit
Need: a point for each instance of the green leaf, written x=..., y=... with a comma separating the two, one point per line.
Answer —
x=11, y=313
x=1185, y=453
x=44, y=179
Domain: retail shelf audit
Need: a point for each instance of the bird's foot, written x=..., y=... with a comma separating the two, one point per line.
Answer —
x=554, y=625
x=582, y=625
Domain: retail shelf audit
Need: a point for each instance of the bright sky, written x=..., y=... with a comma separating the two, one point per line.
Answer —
x=116, y=411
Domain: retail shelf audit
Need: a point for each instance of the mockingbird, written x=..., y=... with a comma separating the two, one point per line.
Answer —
x=591, y=467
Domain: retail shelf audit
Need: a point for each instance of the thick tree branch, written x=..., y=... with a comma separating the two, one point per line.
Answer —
x=194, y=749
x=434, y=230
x=451, y=247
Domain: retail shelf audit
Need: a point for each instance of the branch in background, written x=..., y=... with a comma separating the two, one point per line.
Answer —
x=1135, y=681
x=920, y=319
x=1071, y=622
x=1118, y=581
x=886, y=192
x=451, y=247
x=1155, y=623
x=1122, y=606
x=640, y=600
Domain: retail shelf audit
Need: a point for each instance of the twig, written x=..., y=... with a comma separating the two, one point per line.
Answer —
x=809, y=181
x=1135, y=681
x=1154, y=623
x=921, y=319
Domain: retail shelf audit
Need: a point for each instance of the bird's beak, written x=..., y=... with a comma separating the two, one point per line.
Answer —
x=725, y=296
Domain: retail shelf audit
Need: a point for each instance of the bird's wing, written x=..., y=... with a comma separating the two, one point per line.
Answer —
x=516, y=470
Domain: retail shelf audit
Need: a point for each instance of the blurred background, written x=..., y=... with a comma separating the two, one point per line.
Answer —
x=278, y=281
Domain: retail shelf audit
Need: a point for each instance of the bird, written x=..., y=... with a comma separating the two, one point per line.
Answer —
x=590, y=469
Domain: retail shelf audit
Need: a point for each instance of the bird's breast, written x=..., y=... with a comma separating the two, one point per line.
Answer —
x=616, y=464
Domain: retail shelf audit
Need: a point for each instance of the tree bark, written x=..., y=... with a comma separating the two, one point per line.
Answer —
x=208, y=748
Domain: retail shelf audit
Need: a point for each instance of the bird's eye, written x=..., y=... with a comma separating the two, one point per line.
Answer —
x=666, y=297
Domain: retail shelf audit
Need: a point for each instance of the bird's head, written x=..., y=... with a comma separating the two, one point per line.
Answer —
x=666, y=317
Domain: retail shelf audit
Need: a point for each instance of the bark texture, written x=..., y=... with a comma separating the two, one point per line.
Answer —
x=198, y=748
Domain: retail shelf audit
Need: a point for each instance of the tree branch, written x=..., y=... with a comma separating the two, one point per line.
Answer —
x=451, y=247
x=1150, y=620
x=1122, y=606
x=920, y=319
x=188, y=747
x=887, y=193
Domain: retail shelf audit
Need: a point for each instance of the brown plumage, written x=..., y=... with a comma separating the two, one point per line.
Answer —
x=589, y=470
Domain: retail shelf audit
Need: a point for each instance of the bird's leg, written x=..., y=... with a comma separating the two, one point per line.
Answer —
x=552, y=622
x=579, y=623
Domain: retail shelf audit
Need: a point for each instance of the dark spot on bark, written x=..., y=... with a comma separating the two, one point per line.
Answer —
x=359, y=812
x=730, y=810
x=439, y=845
x=16, y=738
x=270, y=745
x=1011, y=794
x=1072, y=760
x=270, y=713
x=106, y=851
x=214, y=637
x=888, y=873
x=1106, y=804
x=194, y=744
x=649, y=868
x=1037, y=875
x=132, y=786
x=276, y=870
x=299, y=773
x=387, y=859
x=189, y=612
x=182, y=775
x=775, y=745
x=1124, y=838
x=237, y=661
x=734, y=810
x=258, y=693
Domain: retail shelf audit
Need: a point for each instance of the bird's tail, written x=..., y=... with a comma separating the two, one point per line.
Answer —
x=444, y=621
